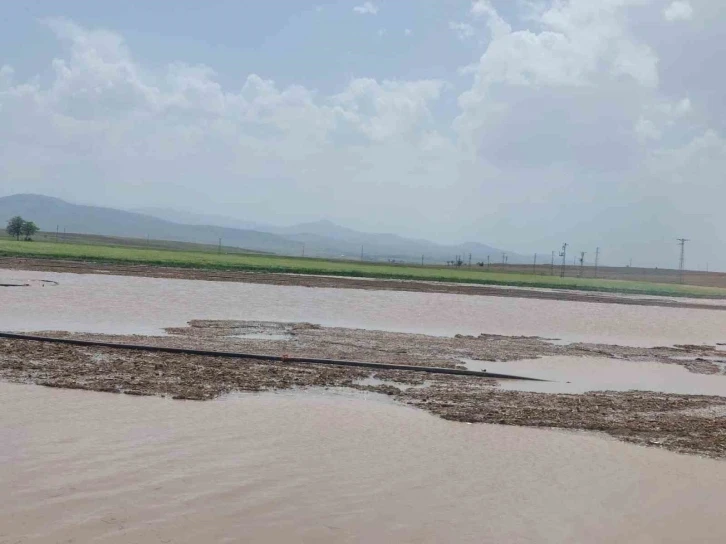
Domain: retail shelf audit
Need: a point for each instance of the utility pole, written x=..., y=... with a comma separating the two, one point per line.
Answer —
x=57, y=229
x=552, y=265
x=682, y=262
x=504, y=258
x=147, y=240
x=219, y=249
x=534, y=265
x=469, y=260
x=563, y=254
x=361, y=252
x=489, y=262
x=582, y=262
x=303, y=249
x=422, y=260
x=597, y=260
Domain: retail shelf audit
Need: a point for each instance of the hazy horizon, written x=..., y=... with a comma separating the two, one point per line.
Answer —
x=520, y=125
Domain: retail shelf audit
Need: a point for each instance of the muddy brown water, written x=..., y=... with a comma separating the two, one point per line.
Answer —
x=135, y=305
x=78, y=466
x=583, y=374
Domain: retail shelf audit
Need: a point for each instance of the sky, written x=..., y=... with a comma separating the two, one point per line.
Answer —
x=520, y=124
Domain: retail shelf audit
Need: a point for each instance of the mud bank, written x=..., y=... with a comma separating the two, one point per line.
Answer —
x=76, y=267
x=682, y=423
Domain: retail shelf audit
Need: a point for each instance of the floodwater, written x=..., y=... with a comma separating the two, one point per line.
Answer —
x=79, y=466
x=583, y=374
x=131, y=305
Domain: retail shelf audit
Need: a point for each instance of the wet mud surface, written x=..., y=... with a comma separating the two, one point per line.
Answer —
x=683, y=423
x=78, y=267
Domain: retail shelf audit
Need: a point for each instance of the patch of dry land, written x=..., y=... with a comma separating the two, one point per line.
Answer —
x=683, y=423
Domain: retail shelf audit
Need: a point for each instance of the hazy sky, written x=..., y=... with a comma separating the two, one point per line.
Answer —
x=517, y=123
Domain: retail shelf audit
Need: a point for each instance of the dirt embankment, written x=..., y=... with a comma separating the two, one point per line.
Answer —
x=683, y=423
x=76, y=267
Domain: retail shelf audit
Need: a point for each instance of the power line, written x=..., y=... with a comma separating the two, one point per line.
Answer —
x=597, y=260
x=682, y=262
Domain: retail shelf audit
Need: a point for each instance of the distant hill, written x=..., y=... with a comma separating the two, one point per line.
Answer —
x=191, y=218
x=320, y=238
x=382, y=246
x=49, y=213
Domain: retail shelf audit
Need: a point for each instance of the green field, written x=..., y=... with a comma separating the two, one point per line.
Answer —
x=267, y=263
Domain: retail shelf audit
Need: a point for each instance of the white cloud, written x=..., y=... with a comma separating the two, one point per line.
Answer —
x=692, y=165
x=646, y=130
x=677, y=109
x=366, y=8
x=580, y=44
x=482, y=7
x=660, y=116
x=679, y=10
x=570, y=105
x=464, y=31
x=380, y=110
x=407, y=32
x=497, y=25
x=107, y=128
x=6, y=75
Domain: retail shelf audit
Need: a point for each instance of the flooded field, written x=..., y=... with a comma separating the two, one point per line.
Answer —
x=583, y=374
x=134, y=305
x=328, y=468
x=355, y=462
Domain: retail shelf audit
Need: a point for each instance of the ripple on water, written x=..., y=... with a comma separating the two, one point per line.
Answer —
x=299, y=467
x=136, y=305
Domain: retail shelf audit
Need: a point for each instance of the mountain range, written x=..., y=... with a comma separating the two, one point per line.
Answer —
x=317, y=239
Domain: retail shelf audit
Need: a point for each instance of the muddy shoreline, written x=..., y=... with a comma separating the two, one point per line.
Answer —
x=264, y=278
x=692, y=424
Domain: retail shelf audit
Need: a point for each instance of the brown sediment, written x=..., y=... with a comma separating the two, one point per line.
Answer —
x=682, y=423
x=300, y=280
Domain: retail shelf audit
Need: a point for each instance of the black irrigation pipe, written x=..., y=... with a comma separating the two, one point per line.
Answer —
x=275, y=358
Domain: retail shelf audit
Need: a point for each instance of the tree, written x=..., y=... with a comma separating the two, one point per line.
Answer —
x=15, y=227
x=29, y=229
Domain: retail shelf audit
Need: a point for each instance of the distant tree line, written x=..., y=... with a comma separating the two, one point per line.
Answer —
x=17, y=227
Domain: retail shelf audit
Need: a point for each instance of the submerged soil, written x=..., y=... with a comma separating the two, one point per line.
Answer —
x=152, y=271
x=682, y=423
